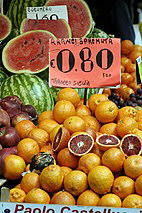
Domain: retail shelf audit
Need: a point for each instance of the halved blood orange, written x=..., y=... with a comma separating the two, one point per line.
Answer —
x=80, y=144
x=131, y=144
x=60, y=139
x=106, y=141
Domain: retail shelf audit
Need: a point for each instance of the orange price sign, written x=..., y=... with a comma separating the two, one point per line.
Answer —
x=84, y=62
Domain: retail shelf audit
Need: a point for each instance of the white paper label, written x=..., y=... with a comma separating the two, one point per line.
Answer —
x=8, y=207
x=47, y=13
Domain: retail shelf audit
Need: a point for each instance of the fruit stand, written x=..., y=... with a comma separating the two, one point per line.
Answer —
x=70, y=127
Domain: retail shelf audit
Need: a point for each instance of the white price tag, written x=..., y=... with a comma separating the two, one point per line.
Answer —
x=10, y=207
x=49, y=13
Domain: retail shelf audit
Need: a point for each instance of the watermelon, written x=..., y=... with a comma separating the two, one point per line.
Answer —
x=60, y=28
x=5, y=27
x=17, y=10
x=97, y=33
x=79, y=16
x=3, y=75
x=27, y=53
x=30, y=89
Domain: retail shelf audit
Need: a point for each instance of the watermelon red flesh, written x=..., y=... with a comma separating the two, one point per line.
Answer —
x=28, y=52
x=79, y=16
x=60, y=28
x=5, y=26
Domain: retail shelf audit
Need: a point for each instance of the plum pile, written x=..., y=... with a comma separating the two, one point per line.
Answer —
x=135, y=99
x=12, y=111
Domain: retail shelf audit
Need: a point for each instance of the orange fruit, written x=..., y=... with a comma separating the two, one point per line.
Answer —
x=126, y=111
x=126, y=47
x=125, y=61
x=106, y=141
x=17, y=195
x=14, y=166
x=138, y=185
x=123, y=186
x=92, y=122
x=134, y=55
x=137, y=132
x=28, y=167
x=133, y=74
x=113, y=159
x=138, y=115
x=111, y=200
x=62, y=110
x=126, y=78
x=125, y=125
x=40, y=136
x=88, y=161
x=106, y=91
x=59, y=137
x=106, y=111
x=120, y=89
x=18, y=186
x=109, y=128
x=27, y=148
x=63, y=197
x=65, y=158
x=51, y=178
x=75, y=182
x=134, y=86
x=69, y=94
x=133, y=166
x=126, y=92
x=95, y=99
x=24, y=127
x=74, y=124
x=96, y=150
x=48, y=125
x=131, y=68
x=132, y=201
x=37, y=195
x=137, y=48
x=82, y=111
x=30, y=181
x=91, y=132
x=49, y=150
x=45, y=115
x=88, y=198
x=100, y=179
x=80, y=144
x=65, y=170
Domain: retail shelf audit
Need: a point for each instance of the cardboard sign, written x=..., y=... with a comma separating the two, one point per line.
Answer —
x=139, y=70
x=9, y=207
x=48, y=13
x=84, y=62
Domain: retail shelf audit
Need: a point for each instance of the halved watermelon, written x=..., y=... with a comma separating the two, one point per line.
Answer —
x=60, y=28
x=27, y=53
x=5, y=27
x=80, y=18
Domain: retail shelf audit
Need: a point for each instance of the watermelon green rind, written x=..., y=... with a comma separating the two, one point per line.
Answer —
x=82, y=10
x=3, y=75
x=30, y=89
x=17, y=10
x=9, y=27
x=5, y=52
x=97, y=33
x=60, y=28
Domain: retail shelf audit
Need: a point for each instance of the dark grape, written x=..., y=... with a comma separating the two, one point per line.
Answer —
x=129, y=103
x=121, y=103
x=134, y=105
x=132, y=95
x=139, y=102
x=113, y=95
x=117, y=98
x=139, y=91
x=140, y=97
x=137, y=97
x=119, y=107
x=110, y=97
x=133, y=100
x=115, y=101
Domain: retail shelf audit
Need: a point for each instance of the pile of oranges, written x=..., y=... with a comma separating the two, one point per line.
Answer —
x=129, y=53
x=97, y=178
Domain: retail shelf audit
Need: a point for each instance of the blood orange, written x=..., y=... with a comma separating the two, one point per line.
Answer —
x=131, y=145
x=106, y=141
x=80, y=144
